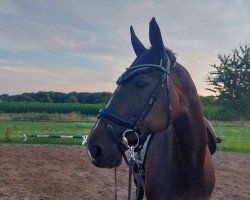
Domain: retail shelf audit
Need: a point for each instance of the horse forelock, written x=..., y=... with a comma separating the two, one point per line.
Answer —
x=153, y=56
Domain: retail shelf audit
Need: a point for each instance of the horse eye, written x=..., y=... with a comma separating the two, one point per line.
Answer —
x=141, y=83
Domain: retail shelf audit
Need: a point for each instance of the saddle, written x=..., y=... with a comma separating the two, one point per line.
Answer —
x=212, y=139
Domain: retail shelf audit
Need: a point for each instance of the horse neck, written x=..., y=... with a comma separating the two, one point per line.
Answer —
x=189, y=132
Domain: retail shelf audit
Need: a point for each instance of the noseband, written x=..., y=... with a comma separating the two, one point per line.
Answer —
x=107, y=114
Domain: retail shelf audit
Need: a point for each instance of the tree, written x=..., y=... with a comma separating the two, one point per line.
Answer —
x=105, y=96
x=73, y=99
x=230, y=80
x=59, y=97
x=43, y=96
x=22, y=98
x=4, y=97
x=208, y=100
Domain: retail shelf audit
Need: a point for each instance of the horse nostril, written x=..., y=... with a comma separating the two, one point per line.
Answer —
x=95, y=151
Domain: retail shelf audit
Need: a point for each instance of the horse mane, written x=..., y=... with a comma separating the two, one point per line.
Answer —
x=171, y=55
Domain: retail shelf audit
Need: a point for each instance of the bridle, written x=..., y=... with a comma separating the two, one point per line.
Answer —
x=134, y=127
x=106, y=114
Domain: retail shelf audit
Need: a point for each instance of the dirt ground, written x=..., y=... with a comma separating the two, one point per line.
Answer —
x=65, y=172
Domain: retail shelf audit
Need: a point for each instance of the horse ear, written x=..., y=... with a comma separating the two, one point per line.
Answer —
x=136, y=43
x=157, y=43
x=155, y=35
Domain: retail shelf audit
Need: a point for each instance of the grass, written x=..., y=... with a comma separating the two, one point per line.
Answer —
x=217, y=113
x=234, y=137
x=45, y=117
x=12, y=131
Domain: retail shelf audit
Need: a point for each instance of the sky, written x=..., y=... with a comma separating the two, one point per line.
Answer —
x=84, y=45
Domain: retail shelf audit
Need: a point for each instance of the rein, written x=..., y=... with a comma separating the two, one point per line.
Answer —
x=106, y=114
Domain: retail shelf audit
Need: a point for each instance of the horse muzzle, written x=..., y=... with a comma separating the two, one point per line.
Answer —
x=103, y=155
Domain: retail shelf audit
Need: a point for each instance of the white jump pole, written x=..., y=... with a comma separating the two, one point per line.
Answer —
x=83, y=137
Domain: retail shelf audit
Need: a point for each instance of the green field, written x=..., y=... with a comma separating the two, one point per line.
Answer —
x=235, y=138
x=210, y=111
x=50, y=108
x=12, y=132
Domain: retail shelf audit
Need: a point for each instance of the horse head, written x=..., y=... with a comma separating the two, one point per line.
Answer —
x=156, y=96
x=140, y=105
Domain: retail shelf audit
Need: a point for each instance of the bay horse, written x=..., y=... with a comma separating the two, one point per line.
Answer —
x=156, y=97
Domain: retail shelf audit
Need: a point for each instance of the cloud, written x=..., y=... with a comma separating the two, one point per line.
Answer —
x=8, y=7
x=35, y=78
x=92, y=37
x=26, y=71
x=6, y=69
